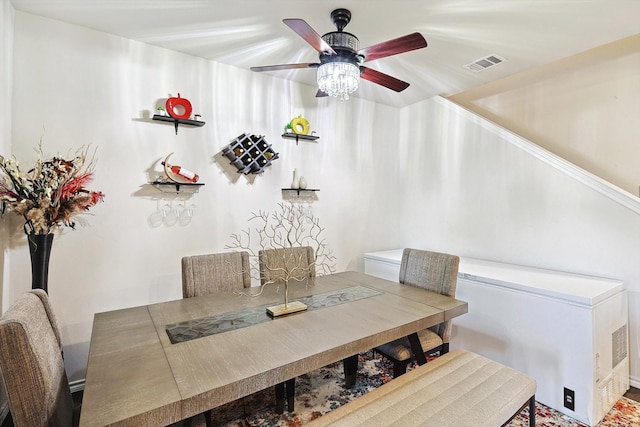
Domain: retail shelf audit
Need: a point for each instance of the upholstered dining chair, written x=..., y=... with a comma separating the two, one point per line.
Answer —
x=32, y=366
x=299, y=262
x=212, y=273
x=275, y=264
x=437, y=272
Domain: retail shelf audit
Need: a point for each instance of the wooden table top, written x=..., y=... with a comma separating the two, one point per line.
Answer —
x=137, y=377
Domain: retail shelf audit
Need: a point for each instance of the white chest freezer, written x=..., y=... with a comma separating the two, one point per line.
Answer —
x=567, y=331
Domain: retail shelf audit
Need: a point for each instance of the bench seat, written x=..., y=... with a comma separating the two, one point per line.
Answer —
x=457, y=389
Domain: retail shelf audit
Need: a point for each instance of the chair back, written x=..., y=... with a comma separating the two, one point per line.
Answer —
x=32, y=365
x=298, y=263
x=212, y=273
x=435, y=271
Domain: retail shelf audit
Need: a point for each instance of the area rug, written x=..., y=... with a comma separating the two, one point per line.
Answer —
x=323, y=390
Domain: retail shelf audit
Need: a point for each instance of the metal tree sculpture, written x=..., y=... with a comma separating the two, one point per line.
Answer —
x=288, y=247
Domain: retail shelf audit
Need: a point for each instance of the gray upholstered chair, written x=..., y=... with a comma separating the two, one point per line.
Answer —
x=32, y=365
x=212, y=273
x=297, y=262
x=437, y=272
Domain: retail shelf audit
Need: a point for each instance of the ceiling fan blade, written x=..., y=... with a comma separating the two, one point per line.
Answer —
x=383, y=79
x=393, y=47
x=304, y=30
x=285, y=66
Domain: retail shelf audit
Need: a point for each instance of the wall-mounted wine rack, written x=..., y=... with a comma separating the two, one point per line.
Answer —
x=250, y=153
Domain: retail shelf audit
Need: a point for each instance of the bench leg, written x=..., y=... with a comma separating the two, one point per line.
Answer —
x=416, y=348
x=532, y=411
x=350, y=365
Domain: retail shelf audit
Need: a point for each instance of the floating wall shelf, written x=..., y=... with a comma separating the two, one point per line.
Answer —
x=298, y=190
x=176, y=121
x=298, y=136
x=177, y=187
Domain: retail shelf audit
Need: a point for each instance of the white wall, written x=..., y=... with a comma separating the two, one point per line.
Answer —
x=75, y=86
x=470, y=189
x=6, y=65
x=427, y=176
x=582, y=108
x=6, y=55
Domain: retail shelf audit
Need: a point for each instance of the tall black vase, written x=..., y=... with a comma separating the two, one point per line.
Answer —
x=40, y=250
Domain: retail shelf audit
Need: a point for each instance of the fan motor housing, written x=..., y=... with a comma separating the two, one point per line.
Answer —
x=342, y=40
x=346, y=47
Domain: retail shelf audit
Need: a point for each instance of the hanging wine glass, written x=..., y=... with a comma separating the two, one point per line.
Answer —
x=157, y=217
x=171, y=217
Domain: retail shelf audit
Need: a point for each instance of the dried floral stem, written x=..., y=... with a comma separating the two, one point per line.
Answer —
x=289, y=229
x=52, y=193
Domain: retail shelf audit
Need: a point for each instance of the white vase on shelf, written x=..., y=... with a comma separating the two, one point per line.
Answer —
x=302, y=183
x=295, y=184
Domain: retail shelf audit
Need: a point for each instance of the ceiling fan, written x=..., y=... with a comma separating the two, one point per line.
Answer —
x=340, y=66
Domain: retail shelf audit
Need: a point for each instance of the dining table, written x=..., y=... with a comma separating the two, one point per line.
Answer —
x=157, y=364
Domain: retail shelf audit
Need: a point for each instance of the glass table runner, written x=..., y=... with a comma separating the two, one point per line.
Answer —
x=211, y=325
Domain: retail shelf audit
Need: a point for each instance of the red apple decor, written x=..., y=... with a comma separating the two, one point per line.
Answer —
x=179, y=108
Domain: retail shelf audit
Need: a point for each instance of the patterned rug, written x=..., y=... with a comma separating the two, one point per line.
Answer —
x=323, y=390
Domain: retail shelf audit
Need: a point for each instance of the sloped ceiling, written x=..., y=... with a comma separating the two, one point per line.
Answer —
x=245, y=33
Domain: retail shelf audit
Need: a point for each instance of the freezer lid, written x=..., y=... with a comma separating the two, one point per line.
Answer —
x=392, y=256
x=577, y=288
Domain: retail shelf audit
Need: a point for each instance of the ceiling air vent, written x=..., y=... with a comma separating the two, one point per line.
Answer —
x=484, y=63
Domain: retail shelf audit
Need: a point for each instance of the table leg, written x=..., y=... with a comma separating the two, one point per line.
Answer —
x=416, y=348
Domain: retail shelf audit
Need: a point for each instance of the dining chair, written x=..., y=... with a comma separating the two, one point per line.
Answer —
x=297, y=262
x=212, y=273
x=277, y=265
x=32, y=364
x=434, y=271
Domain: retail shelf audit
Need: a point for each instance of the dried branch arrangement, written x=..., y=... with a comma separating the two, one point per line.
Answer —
x=288, y=247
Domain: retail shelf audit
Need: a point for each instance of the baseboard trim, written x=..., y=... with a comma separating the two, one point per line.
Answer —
x=76, y=386
x=4, y=411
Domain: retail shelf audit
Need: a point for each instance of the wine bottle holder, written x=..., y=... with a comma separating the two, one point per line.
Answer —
x=250, y=154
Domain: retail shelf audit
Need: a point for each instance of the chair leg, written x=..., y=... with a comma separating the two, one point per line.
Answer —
x=207, y=419
x=291, y=393
x=285, y=392
x=400, y=367
x=416, y=348
x=279, y=398
x=444, y=348
x=350, y=365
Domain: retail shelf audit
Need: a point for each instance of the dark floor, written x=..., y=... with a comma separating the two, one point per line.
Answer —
x=633, y=394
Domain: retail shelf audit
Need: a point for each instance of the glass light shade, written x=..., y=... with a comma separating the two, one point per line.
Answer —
x=338, y=79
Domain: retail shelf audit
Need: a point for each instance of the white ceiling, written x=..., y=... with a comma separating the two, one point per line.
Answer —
x=245, y=33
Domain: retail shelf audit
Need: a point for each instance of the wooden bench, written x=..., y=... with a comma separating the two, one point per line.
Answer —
x=457, y=389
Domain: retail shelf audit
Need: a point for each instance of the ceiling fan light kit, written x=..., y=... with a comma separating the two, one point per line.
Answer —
x=340, y=67
x=338, y=79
